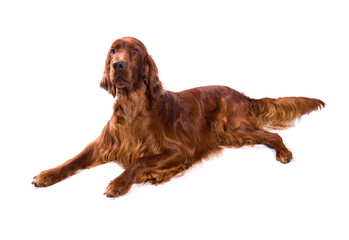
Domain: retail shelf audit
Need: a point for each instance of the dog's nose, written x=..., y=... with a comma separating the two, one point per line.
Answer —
x=119, y=65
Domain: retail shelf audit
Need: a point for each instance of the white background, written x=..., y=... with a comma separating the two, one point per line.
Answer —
x=52, y=56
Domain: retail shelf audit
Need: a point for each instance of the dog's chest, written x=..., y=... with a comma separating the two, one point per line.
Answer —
x=133, y=138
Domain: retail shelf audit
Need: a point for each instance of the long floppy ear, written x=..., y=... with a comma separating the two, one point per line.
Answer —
x=105, y=82
x=151, y=79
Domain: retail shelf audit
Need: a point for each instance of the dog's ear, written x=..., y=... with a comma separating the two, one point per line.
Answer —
x=105, y=82
x=151, y=79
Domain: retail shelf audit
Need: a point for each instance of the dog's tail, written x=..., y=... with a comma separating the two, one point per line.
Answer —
x=282, y=112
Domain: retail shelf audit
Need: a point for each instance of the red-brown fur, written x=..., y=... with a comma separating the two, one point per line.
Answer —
x=156, y=134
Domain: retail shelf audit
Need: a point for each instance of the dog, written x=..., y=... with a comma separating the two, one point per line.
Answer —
x=156, y=134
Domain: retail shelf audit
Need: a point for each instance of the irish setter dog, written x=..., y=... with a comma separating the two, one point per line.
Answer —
x=156, y=134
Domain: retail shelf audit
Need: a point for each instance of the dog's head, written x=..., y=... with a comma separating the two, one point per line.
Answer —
x=129, y=66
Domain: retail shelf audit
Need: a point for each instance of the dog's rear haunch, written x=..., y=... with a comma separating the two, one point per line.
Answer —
x=156, y=134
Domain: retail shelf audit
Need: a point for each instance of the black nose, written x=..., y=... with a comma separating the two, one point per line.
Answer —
x=119, y=65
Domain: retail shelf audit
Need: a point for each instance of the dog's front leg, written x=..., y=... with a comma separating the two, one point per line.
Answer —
x=85, y=159
x=139, y=167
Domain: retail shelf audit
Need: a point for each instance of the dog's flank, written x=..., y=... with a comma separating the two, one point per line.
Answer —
x=156, y=134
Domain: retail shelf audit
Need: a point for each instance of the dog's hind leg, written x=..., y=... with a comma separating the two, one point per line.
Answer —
x=272, y=140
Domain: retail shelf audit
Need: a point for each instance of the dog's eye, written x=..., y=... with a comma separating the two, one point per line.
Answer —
x=112, y=51
x=134, y=51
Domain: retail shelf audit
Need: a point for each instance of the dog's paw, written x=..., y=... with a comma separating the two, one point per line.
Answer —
x=284, y=156
x=47, y=178
x=117, y=187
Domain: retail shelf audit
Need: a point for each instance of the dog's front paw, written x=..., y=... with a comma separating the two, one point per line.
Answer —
x=284, y=155
x=47, y=178
x=117, y=187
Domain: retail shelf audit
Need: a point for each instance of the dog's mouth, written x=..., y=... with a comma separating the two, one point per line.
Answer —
x=120, y=82
x=119, y=79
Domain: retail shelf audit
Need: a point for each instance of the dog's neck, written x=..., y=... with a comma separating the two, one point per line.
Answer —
x=131, y=104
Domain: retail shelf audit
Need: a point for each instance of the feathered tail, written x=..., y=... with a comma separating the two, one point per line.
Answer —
x=282, y=112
